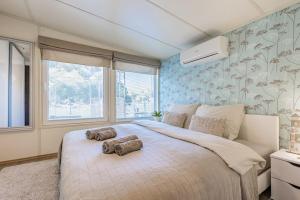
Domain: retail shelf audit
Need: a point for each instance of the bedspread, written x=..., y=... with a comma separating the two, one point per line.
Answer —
x=167, y=168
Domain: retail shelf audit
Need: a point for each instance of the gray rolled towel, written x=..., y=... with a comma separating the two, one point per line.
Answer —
x=106, y=134
x=127, y=147
x=109, y=146
x=91, y=134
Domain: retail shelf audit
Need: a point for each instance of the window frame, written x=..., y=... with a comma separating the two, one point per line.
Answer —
x=31, y=102
x=156, y=99
x=67, y=122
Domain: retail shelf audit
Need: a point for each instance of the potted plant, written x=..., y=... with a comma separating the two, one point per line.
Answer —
x=157, y=115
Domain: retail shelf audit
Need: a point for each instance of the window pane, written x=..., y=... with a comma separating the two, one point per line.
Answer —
x=74, y=91
x=135, y=94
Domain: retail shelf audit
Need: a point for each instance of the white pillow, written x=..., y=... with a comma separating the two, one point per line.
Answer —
x=174, y=119
x=234, y=115
x=208, y=125
x=188, y=109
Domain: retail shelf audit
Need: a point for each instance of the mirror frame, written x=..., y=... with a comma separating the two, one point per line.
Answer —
x=30, y=127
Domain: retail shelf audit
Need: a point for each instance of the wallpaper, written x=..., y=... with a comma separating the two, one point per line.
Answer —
x=262, y=71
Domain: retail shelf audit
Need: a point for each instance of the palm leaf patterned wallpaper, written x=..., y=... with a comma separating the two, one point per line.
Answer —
x=262, y=71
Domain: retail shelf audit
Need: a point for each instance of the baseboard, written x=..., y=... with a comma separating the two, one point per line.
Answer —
x=26, y=160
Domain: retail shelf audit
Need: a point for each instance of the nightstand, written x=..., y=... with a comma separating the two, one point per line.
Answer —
x=285, y=173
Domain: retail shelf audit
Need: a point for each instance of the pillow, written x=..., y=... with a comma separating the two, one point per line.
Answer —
x=175, y=119
x=208, y=125
x=188, y=109
x=234, y=115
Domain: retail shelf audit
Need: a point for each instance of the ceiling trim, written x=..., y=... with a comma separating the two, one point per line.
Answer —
x=177, y=17
x=120, y=25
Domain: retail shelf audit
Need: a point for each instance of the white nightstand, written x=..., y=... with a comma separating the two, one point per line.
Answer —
x=285, y=173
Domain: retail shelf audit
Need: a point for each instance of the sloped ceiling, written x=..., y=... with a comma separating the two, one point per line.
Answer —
x=154, y=28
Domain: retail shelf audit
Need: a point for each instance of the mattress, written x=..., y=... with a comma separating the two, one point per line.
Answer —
x=262, y=150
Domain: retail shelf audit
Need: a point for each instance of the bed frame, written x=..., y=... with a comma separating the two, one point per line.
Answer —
x=261, y=129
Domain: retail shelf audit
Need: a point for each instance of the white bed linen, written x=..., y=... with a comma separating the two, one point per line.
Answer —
x=166, y=168
x=237, y=156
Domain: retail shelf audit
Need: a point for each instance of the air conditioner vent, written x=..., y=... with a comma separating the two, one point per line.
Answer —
x=199, y=58
x=208, y=51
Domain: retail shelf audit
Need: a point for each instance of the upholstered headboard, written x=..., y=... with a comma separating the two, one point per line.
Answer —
x=261, y=129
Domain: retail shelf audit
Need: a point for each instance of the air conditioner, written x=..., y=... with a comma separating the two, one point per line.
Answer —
x=208, y=51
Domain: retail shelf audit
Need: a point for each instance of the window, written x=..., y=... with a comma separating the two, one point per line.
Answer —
x=75, y=91
x=15, y=61
x=135, y=94
x=76, y=85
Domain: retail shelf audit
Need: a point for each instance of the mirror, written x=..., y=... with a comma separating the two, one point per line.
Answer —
x=15, y=83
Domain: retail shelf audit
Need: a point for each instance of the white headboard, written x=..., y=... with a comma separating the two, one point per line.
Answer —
x=261, y=129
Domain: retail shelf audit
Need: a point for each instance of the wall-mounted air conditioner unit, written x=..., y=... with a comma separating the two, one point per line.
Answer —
x=208, y=51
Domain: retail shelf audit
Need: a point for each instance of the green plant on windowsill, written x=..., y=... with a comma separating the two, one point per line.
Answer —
x=157, y=115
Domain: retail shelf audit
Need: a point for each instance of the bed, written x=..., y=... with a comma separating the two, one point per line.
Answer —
x=264, y=131
x=175, y=163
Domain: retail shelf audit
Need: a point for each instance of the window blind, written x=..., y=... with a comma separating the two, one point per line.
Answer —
x=137, y=64
x=69, y=52
x=129, y=67
x=118, y=56
x=135, y=94
x=65, y=57
x=64, y=51
x=70, y=47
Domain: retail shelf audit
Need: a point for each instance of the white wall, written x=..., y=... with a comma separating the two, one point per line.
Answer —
x=42, y=139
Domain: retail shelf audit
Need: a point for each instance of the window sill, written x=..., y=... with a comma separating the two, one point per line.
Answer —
x=132, y=119
x=16, y=129
x=68, y=123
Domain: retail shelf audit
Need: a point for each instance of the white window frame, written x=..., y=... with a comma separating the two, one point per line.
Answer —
x=67, y=122
x=156, y=99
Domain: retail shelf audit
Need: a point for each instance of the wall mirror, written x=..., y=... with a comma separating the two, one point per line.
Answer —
x=15, y=83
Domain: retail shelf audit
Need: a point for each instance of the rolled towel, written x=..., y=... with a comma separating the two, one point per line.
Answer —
x=106, y=134
x=127, y=147
x=109, y=146
x=91, y=134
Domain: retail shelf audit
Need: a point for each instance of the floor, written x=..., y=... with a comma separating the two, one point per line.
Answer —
x=38, y=181
x=31, y=181
x=265, y=195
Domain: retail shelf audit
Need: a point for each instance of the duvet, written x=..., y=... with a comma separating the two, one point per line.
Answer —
x=174, y=163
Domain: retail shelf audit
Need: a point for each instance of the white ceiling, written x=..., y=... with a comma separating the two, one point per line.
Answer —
x=155, y=28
